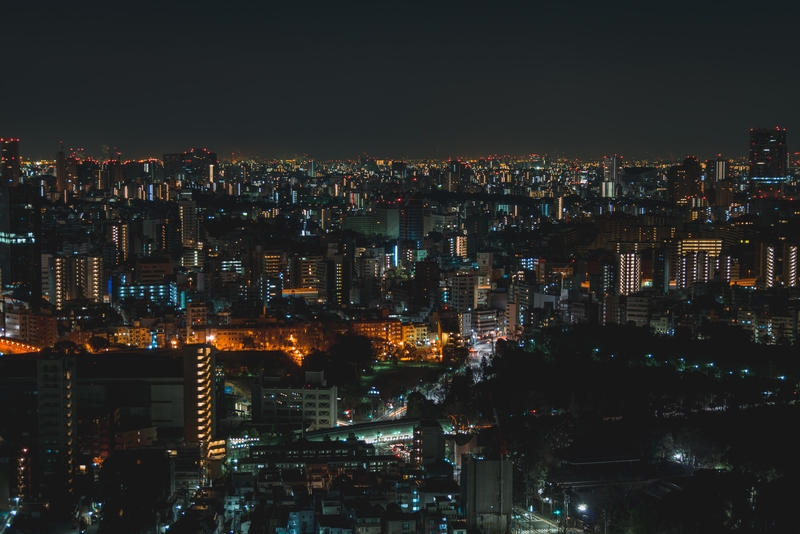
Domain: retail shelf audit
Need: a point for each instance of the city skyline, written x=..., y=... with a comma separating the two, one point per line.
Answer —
x=443, y=82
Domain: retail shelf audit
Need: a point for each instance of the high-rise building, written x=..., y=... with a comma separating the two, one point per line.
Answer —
x=58, y=418
x=118, y=234
x=190, y=231
x=9, y=162
x=61, y=171
x=463, y=292
x=486, y=493
x=790, y=272
x=612, y=173
x=629, y=271
x=412, y=220
x=717, y=169
x=684, y=181
x=199, y=396
x=20, y=245
x=769, y=156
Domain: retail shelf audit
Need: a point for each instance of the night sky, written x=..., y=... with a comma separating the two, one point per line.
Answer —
x=398, y=79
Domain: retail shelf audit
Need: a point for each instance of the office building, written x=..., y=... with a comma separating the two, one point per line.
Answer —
x=717, y=170
x=9, y=162
x=684, y=181
x=769, y=155
x=412, y=220
x=20, y=246
x=463, y=295
x=312, y=404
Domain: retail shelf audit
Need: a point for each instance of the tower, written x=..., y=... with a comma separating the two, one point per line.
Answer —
x=768, y=154
x=199, y=406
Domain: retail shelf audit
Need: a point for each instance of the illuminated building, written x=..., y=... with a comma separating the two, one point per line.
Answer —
x=463, y=292
x=768, y=265
x=118, y=234
x=695, y=267
x=271, y=262
x=74, y=277
x=383, y=330
x=612, y=171
x=9, y=162
x=790, y=272
x=58, y=421
x=335, y=279
x=34, y=328
x=769, y=155
x=428, y=445
x=312, y=404
x=164, y=293
x=196, y=322
x=629, y=273
x=20, y=247
x=199, y=396
x=717, y=170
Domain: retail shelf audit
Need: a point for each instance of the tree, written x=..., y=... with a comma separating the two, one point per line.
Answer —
x=454, y=356
x=98, y=344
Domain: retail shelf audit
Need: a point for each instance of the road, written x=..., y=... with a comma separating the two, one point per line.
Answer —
x=525, y=522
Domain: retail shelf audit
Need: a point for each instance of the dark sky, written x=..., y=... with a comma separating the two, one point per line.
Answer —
x=398, y=79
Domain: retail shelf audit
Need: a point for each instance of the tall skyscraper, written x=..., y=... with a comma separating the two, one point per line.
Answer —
x=61, y=171
x=58, y=418
x=769, y=156
x=412, y=220
x=20, y=246
x=199, y=395
x=9, y=162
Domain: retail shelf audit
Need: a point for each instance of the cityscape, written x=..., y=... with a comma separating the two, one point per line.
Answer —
x=399, y=268
x=500, y=344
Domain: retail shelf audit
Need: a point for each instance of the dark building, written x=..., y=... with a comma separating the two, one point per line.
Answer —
x=58, y=420
x=684, y=181
x=61, y=170
x=486, y=490
x=9, y=161
x=768, y=153
x=20, y=243
x=196, y=165
x=426, y=283
x=412, y=220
